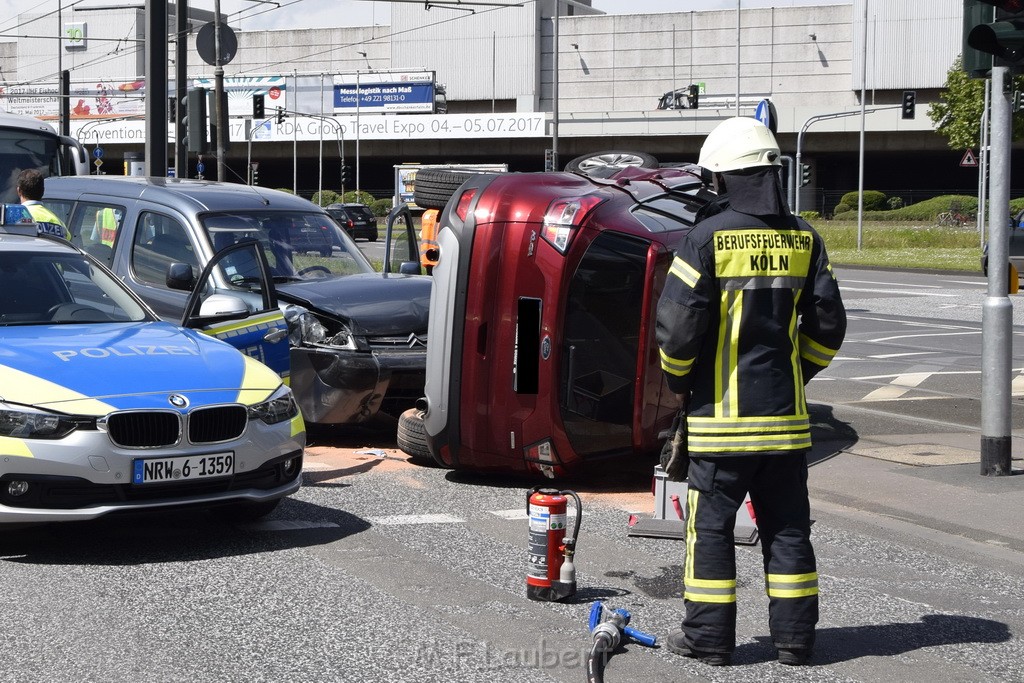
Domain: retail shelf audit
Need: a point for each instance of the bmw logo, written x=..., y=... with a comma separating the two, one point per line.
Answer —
x=177, y=400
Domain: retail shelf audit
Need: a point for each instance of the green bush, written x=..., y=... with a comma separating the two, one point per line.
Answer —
x=362, y=197
x=873, y=200
x=381, y=207
x=895, y=203
x=922, y=212
x=841, y=207
x=810, y=215
x=285, y=189
x=325, y=197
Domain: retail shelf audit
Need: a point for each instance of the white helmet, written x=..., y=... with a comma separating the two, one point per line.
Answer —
x=738, y=143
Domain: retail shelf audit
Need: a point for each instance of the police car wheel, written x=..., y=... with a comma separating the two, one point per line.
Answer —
x=412, y=437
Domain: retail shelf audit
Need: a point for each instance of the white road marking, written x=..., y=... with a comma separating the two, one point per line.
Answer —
x=902, y=284
x=899, y=386
x=918, y=336
x=895, y=292
x=883, y=356
x=515, y=513
x=397, y=520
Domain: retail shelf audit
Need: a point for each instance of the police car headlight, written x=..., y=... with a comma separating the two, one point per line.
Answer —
x=28, y=423
x=278, y=408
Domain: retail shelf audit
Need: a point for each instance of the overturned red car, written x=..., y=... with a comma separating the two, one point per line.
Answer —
x=542, y=356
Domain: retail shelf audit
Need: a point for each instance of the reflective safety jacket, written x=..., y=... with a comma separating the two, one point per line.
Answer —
x=46, y=220
x=750, y=312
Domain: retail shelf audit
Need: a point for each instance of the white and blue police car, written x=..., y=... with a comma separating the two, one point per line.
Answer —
x=104, y=407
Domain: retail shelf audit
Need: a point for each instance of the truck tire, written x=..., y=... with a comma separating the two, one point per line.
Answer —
x=435, y=186
x=412, y=437
x=607, y=163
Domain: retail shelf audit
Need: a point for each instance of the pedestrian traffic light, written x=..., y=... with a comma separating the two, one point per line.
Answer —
x=280, y=115
x=909, y=103
x=692, y=93
x=196, y=122
x=257, y=107
x=1002, y=38
x=805, y=175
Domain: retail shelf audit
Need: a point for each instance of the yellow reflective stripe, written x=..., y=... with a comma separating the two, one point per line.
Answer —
x=691, y=532
x=791, y=585
x=711, y=583
x=719, y=444
x=298, y=425
x=735, y=316
x=752, y=423
x=710, y=590
x=674, y=366
x=249, y=324
x=14, y=447
x=258, y=382
x=685, y=272
x=37, y=391
x=815, y=352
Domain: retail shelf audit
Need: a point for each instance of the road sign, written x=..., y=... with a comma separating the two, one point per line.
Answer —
x=98, y=152
x=969, y=159
x=98, y=162
x=765, y=113
x=200, y=167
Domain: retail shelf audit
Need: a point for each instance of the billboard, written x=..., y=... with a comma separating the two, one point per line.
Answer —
x=406, y=92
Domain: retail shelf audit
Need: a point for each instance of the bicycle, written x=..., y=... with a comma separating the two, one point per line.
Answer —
x=952, y=219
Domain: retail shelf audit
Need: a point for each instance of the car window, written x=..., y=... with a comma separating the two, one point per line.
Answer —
x=46, y=288
x=363, y=212
x=297, y=245
x=160, y=240
x=95, y=227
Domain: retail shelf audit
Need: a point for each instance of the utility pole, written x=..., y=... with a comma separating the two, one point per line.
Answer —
x=220, y=111
x=180, y=87
x=156, y=88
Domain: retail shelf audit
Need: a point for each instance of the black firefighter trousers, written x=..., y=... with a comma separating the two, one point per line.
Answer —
x=777, y=485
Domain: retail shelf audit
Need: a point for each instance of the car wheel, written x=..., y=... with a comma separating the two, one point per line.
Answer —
x=373, y=237
x=435, y=186
x=605, y=164
x=326, y=253
x=412, y=437
x=244, y=510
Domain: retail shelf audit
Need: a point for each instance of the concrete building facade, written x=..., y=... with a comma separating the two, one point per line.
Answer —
x=520, y=81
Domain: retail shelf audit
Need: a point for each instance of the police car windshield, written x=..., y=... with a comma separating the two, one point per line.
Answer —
x=298, y=245
x=47, y=288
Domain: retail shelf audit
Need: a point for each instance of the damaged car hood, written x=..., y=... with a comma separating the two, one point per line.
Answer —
x=372, y=303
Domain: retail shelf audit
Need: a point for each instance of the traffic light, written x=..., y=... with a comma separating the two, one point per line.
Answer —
x=1002, y=38
x=280, y=115
x=909, y=103
x=196, y=122
x=257, y=107
x=255, y=174
x=346, y=173
x=692, y=93
x=805, y=175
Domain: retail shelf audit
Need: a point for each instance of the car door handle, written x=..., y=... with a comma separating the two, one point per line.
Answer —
x=275, y=336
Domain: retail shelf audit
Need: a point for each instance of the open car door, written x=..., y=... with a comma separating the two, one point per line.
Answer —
x=243, y=310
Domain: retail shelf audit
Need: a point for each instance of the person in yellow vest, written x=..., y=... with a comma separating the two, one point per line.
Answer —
x=105, y=227
x=30, y=192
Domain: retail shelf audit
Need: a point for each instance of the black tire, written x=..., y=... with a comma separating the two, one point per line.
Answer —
x=244, y=510
x=610, y=162
x=412, y=437
x=435, y=186
x=326, y=253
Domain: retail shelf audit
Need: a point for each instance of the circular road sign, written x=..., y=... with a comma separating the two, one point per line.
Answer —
x=205, y=44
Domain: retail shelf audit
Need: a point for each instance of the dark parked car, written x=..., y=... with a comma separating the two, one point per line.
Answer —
x=355, y=340
x=542, y=355
x=357, y=220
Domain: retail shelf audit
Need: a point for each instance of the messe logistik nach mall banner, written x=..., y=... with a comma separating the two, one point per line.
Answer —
x=318, y=107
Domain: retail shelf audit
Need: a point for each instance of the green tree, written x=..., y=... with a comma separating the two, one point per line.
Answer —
x=957, y=114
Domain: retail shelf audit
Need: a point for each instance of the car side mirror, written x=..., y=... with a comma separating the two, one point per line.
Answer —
x=409, y=268
x=217, y=305
x=181, y=277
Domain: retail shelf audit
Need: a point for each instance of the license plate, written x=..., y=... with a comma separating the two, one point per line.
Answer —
x=183, y=468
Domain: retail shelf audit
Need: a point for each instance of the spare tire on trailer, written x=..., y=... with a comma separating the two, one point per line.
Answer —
x=412, y=437
x=610, y=162
x=435, y=186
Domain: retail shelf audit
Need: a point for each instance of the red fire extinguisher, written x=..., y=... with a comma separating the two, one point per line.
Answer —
x=551, y=574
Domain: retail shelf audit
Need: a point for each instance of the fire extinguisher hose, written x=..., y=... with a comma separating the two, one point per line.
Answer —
x=579, y=515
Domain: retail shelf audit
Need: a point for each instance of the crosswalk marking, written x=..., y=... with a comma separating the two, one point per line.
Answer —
x=515, y=513
x=396, y=520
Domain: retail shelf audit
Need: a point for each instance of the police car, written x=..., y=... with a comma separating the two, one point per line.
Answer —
x=104, y=407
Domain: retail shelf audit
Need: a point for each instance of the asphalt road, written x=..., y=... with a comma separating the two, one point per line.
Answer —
x=384, y=570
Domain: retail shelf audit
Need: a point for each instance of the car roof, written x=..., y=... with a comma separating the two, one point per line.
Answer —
x=11, y=241
x=186, y=195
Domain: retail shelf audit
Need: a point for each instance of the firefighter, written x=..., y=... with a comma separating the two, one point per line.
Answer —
x=750, y=313
x=30, y=192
